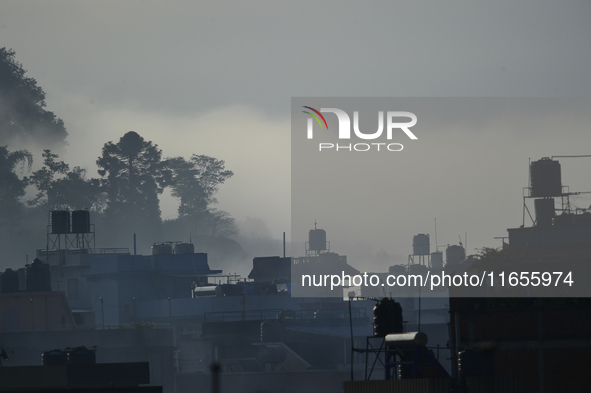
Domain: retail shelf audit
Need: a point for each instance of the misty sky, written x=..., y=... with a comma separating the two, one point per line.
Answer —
x=216, y=78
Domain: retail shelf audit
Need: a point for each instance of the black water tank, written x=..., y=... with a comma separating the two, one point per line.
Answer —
x=80, y=221
x=9, y=281
x=387, y=318
x=545, y=178
x=81, y=355
x=59, y=221
x=38, y=277
x=56, y=356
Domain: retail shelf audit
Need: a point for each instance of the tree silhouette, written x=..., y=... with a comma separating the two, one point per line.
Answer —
x=59, y=188
x=22, y=103
x=43, y=179
x=12, y=188
x=131, y=173
x=75, y=192
x=195, y=183
x=219, y=223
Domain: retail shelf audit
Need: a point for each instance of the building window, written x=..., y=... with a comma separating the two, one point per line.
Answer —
x=126, y=309
x=73, y=289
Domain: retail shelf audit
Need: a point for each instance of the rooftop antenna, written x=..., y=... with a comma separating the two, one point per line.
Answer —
x=314, y=224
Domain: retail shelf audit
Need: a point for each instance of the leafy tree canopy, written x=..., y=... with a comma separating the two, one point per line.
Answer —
x=195, y=182
x=43, y=178
x=131, y=173
x=22, y=103
x=12, y=188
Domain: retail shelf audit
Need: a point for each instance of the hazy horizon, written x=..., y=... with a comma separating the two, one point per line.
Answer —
x=217, y=79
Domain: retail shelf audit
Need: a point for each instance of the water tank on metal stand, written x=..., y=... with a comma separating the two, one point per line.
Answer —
x=80, y=221
x=387, y=318
x=9, y=281
x=545, y=178
x=184, y=248
x=38, y=277
x=317, y=240
x=59, y=221
x=420, y=245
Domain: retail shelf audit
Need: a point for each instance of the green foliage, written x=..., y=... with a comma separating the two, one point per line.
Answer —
x=43, y=179
x=218, y=223
x=12, y=188
x=71, y=190
x=22, y=103
x=74, y=192
x=131, y=173
x=195, y=182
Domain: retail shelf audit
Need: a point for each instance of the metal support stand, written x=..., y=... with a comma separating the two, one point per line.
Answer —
x=376, y=351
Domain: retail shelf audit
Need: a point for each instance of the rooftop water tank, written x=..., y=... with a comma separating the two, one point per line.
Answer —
x=420, y=245
x=80, y=221
x=162, y=249
x=437, y=260
x=59, y=221
x=454, y=255
x=317, y=240
x=38, y=277
x=9, y=281
x=545, y=178
x=184, y=248
x=387, y=318
x=406, y=340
